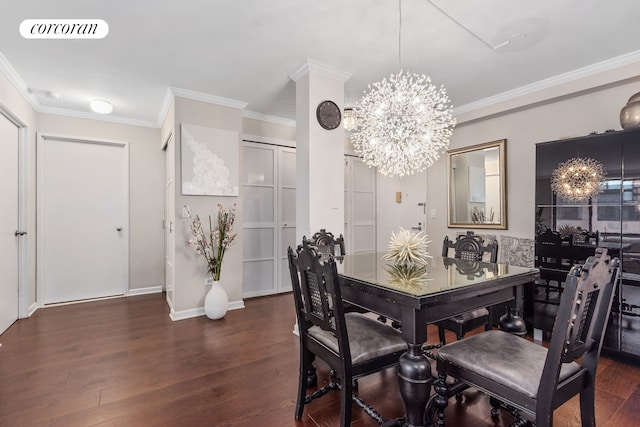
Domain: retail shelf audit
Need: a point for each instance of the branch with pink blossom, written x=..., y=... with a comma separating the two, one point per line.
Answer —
x=213, y=244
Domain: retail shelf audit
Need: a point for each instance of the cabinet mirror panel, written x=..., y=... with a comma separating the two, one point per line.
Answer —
x=476, y=178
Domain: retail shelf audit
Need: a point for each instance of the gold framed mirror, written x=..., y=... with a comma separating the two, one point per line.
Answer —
x=477, y=186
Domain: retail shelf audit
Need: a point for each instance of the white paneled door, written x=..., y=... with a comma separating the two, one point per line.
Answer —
x=269, y=214
x=82, y=219
x=9, y=140
x=359, y=206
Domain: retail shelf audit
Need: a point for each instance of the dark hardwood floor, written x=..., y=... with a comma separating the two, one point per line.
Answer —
x=123, y=362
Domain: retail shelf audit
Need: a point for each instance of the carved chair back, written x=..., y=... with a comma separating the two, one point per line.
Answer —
x=470, y=247
x=327, y=244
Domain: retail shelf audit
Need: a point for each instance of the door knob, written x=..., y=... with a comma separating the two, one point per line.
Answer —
x=419, y=227
x=20, y=233
x=119, y=229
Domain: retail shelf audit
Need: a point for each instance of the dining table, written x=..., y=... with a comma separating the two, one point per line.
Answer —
x=416, y=295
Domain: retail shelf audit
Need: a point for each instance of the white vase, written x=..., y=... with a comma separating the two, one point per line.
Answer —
x=216, y=302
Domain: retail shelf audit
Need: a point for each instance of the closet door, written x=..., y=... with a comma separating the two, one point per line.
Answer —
x=268, y=179
x=287, y=213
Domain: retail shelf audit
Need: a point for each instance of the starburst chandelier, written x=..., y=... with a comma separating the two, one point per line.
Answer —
x=405, y=122
x=578, y=179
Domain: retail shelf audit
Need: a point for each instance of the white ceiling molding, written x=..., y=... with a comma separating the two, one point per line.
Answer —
x=96, y=116
x=164, y=107
x=320, y=68
x=18, y=83
x=267, y=118
x=606, y=72
x=210, y=99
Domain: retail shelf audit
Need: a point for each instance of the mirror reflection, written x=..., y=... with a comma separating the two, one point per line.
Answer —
x=476, y=186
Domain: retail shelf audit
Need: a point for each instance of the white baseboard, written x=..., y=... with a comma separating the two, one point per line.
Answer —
x=196, y=312
x=32, y=309
x=144, y=291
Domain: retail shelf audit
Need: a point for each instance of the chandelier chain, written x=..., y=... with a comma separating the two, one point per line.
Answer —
x=400, y=34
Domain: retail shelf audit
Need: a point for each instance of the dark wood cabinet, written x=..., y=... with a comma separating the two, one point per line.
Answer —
x=614, y=215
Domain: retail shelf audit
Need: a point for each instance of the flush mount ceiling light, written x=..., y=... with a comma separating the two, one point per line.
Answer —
x=405, y=122
x=100, y=106
x=578, y=179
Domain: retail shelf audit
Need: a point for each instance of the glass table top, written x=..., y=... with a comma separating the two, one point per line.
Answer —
x=439, y=275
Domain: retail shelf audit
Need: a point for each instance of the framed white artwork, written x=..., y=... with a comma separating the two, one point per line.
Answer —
x=209, y=161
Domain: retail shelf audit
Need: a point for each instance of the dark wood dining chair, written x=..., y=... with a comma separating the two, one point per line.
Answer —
x=352, y=344
x=529, y=380
x=468, y=247
x=553, y=256
x=328, y=245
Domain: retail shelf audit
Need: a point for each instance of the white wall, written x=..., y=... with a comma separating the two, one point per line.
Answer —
x=191, y=269
x=568, y=116
x=270, y=130
x=406, y=214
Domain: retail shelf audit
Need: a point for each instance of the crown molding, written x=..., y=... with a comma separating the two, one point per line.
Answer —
x=95, y=116
x=320, y=68
x=164, y=107
x=267, y=118
x=210, y=99
x=18, y=83
x=555, y=82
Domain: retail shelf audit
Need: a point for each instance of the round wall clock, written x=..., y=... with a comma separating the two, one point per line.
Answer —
x=328, y=115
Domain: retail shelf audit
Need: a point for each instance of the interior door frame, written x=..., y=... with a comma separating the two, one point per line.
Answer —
x=169, y=220
x=40, y=139
x=23, y=219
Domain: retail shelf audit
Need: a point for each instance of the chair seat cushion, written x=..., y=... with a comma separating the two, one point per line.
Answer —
x=368, y=338
x=470, y=315
x=504, y=358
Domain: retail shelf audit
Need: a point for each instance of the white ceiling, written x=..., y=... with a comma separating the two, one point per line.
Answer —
x=245, y=49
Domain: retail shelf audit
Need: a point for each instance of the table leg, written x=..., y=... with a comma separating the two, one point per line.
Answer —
x=414, y=370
